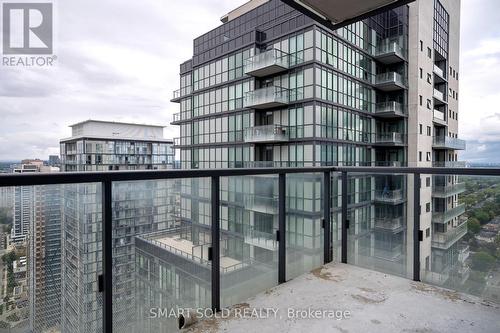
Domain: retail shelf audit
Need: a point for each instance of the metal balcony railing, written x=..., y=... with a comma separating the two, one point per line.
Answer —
x=266, y=133
x=446, y=142
x=216, y=223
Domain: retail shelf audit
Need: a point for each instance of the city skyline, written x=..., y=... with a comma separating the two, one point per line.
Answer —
x=147, y=75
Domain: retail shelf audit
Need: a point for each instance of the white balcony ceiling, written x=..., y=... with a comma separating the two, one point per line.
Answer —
x=338, y=11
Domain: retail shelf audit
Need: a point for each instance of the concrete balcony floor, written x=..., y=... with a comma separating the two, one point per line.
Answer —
x=377, y=302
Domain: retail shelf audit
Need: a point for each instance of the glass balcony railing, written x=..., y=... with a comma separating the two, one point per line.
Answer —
x=114, y=238
x=390, y=109
x=389, y=223
x=447, y=142
x=390, y=196
x=177, y=117
x=444, y=191
x=392, y=138
x=267, y=63
x=448, y=214
x=449, y=164
x=268, y=97
x=446, y=239
x=267, y=133
x=180, y=93
x=389, y=53
x=389, y=81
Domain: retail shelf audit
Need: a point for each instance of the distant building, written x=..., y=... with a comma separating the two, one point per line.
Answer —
x=6, y=197
x=54, y=161
x=106, y=146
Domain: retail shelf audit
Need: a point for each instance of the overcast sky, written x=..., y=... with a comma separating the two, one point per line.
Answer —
x=119, y=60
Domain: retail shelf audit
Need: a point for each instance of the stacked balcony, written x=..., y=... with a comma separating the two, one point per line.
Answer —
x=267, y=63
x=438, y=117
x=266, y=98
x=389, y=139
x=449, y=164
x=439, y=97
x=387, y=196
x=261, y=239
x=390, y=110
x=447, y=190
x=390, y=81
x=439, y=74
x=446, y=142
x=266, y=134
x=389, y=224
x=390, y=53
x=443, y=240
x=448, y=214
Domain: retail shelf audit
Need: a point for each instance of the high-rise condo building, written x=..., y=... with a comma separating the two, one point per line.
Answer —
x=270, y=87
x=138, y=208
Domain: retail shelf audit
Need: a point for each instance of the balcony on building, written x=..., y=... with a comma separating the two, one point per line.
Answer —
x=448, y=214
x=439, y=74
x=439, y=97
x=389, y=224
x=268, y=63
x=439, y=118
x=179, y=94
x=389, y=196
x=389, y=139
x=393, y=253
x=446, y=142
x=447, y=190
x=260, y=239
x=443, y=240
x=449, y=164
x=389, y=52
x=266, y=98
x=390, y=109
x=390, y=81
x=266, y=133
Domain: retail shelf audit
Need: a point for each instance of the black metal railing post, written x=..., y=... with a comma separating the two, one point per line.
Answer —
x=327, y=225
x=416, y=226
x=345, y=220
x=282, y=229
x=107, y=256
x=215, y=252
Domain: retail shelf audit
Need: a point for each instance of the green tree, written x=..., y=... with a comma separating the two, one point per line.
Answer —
x=482, y=261
x=482, y=216
x=473, y=225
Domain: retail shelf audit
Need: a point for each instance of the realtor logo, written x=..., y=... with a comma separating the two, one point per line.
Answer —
x=27, y=28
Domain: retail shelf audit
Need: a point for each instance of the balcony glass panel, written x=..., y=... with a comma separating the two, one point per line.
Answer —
x=390, y=108
x=267, y=133
x=161, y=241
x=267, y=63
x=389, y=138
x=249, y=247
x=389, y=81
x=439, y=95
x=266, y=97
x=438, y=71
x=448, y=143
x=377, y=233
x=304, y=232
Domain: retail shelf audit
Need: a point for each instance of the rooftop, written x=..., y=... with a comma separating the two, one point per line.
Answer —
x=376, y=302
